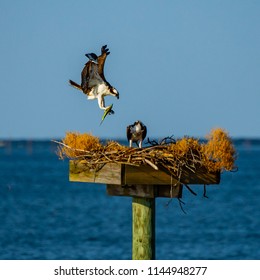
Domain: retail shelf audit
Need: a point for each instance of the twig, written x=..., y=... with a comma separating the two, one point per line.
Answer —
x=190, y=189
x=151, y=164
x=180, y=203
x=74, y=149
x=204, y=191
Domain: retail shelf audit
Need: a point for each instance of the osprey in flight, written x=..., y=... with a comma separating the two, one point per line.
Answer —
x=93, y=81
x=136, y=132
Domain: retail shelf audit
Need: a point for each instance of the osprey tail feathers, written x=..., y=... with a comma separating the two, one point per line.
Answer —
x=75, y=85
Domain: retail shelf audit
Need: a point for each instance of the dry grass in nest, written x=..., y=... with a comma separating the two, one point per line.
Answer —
x=217, y=154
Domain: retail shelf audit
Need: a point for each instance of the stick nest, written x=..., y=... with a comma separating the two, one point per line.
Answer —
x=216, y=154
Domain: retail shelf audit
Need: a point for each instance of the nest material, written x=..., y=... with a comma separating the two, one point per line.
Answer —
x=217, y=154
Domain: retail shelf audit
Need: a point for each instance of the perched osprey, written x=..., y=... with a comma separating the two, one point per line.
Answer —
x=93, y=81
x=136, y=132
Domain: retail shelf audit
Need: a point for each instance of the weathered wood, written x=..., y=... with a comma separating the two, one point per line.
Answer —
x=170, y=191
x=133, y=190
x=200, y=177
x=109, y=173
x=145, y=174
x=148, y=191
x=143, y=223
x=120, y=174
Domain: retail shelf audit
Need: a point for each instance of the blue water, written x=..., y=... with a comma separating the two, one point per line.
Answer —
x=44, y=216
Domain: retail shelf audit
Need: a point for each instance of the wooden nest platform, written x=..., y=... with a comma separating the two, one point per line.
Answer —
x=183, y=161
x=158, y=170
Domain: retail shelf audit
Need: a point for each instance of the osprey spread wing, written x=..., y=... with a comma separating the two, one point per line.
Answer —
x=93, y=81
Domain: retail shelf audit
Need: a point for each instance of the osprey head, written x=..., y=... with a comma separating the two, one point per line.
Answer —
x=114, y=92
x=138, y=125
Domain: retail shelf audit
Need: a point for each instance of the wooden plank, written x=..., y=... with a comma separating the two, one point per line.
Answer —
x=169, y=191
x=145, y=174
x=110, y=172
x=143, y=228
x=113, y=173
x=133, y=190
x=148, y=191
x=200, y=177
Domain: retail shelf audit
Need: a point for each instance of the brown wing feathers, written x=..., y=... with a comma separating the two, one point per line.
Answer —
x=101, y=61
x=85, y=72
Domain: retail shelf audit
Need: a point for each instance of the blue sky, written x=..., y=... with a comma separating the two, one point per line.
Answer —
x=182, y=67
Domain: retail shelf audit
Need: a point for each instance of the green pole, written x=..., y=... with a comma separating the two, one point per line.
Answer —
x=143, y=218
